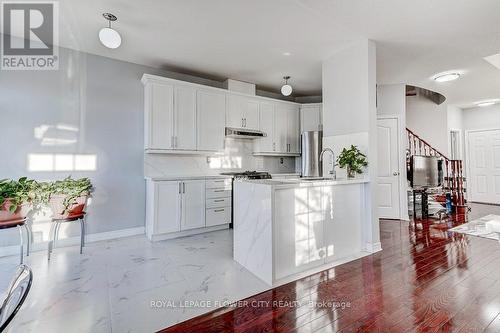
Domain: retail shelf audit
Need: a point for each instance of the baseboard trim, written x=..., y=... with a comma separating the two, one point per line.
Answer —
x=72, y=241
x=172, y=235
x=373, y=247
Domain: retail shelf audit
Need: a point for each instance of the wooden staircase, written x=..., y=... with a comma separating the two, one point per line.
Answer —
x=454, y=180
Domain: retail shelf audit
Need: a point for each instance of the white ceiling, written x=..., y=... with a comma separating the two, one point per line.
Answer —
x=246, y=39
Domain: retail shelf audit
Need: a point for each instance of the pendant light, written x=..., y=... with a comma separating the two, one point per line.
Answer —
x=286, y=89
x=109, y=37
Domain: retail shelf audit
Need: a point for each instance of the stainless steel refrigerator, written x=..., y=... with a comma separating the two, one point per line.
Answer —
x=311, y=144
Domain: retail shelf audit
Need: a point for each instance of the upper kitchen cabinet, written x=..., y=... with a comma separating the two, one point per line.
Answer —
x=158, y=116
x=311, y=117
x=242, y=112
x=184, y=117
x=211, y=107
x=280, y=122
x=288, y=127
x=266, y=120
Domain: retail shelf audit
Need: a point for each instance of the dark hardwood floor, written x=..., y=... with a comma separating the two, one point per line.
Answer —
x=426, y=279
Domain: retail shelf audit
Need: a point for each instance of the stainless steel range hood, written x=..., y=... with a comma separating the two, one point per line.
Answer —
x=244, y=133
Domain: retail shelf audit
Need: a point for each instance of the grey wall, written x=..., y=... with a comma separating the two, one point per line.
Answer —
x=102, y=99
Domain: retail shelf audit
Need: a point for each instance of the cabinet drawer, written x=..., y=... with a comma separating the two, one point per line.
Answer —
x=218, y=193
x=218, y=216
x=218, y=202
x=219, y=183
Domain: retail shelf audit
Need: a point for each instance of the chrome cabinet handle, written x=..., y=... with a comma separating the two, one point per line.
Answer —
x=221, y=200
x=218, y=210
x=183, y=187
x=179, y=188
x=219, y=190
x=274, y=146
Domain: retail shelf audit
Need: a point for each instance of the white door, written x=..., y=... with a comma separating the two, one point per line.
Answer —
x=388, y=168
x=484, y=166
x=211, y=108
x=266, y=119
x=168, y=207
x=185, y=117
x=159, y=116
x=193, y=204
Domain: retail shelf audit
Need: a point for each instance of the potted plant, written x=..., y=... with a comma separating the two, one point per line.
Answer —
x=353, y=160
x=67, y=197
x=16, y=198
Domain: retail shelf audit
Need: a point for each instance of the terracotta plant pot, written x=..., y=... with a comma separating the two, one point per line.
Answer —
x=20, y=213
x=56, y=204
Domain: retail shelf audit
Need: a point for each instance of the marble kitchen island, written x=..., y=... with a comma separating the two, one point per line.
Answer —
x=284, y=229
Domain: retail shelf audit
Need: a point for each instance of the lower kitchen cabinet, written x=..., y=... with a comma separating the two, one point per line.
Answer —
x=193, y=204
x=167, y=215
x=183, y=207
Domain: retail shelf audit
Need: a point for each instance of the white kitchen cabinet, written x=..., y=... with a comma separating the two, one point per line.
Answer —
x=184, y=117
x=177, y=208
x=242, y=112
x=293, y=129
x=170, y=116
x=211, y=106
x=266, y=120
x=280, y=121
x=311, y=117
x=159, y=115
x=281, y=129
x=163, y=211
x=193, y=204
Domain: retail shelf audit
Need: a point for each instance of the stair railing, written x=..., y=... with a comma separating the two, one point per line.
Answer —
x=454, y=179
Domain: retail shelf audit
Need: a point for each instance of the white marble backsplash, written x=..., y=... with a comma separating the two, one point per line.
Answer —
x=339, y=142
x=237, y=156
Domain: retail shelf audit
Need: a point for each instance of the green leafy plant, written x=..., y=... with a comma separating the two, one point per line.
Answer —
x=17, y=192
x=352, y=159
x=68, y=187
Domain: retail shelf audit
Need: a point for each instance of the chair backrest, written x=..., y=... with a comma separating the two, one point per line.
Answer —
x=15, y=296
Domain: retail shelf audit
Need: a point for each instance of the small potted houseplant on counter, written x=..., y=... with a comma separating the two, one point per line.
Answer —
x=353, y=160
x=16, y=198
x=67, y=197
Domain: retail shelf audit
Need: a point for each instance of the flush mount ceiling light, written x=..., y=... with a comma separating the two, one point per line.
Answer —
x=445, y=77
x=485, y=103
x=286, y=89
x=109, y=37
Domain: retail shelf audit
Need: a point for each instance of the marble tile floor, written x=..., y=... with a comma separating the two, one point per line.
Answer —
x=130, y=284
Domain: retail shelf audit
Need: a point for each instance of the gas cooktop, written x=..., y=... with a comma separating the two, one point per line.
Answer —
x=248, y=175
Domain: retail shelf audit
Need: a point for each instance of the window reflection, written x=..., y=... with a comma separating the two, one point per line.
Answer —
x=62, y=162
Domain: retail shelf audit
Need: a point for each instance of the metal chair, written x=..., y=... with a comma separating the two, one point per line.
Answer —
x=15, y=296
x=54, y=231
x=20, y=225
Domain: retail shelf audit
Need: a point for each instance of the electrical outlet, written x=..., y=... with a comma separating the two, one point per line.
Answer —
x=208, y=159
